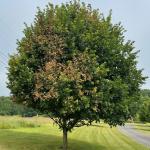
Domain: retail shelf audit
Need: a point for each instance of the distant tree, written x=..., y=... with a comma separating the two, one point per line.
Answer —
x=144, y=111
x=145, y=92
x=74, y=64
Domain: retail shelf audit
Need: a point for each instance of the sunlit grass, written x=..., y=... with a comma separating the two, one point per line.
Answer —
x=144, y=128
x=47, y=136
x=7, y=122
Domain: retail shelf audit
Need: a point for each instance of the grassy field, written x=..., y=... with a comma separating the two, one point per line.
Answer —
x=46, y=136
x=15, y=122
x=144, y=128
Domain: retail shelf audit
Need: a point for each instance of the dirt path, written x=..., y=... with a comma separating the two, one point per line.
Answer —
x=139, y=137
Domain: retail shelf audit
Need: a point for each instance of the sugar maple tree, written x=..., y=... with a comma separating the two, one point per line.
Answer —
x=74, y=65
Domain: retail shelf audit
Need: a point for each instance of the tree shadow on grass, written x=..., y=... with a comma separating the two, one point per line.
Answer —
x=14, y=140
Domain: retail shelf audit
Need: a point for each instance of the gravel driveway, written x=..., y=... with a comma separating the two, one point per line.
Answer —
x=139, y=137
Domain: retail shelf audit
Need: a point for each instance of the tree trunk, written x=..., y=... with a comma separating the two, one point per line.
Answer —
x=65, y=141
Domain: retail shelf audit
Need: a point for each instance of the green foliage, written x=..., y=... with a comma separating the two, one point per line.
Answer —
x=144, y=112
x=75, y=64
x=145, y=93
x=7, y=107
x=141, y=108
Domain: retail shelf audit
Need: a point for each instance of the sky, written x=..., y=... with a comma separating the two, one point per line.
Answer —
x=133, y=14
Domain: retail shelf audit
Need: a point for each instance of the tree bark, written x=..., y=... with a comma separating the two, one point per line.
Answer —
x=65, y=140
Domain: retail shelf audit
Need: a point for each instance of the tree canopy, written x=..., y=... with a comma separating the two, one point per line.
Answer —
x=74, y=64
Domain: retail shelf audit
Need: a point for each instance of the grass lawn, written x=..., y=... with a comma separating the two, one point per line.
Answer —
x=144, y=128
x=48, y=137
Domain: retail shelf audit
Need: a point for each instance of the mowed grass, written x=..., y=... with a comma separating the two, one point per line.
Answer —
x=7, y=122
x=144, y=128
x=47, y=136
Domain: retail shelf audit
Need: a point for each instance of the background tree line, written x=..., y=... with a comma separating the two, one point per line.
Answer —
x=8, y=107
x=144, y=111
x=140, y=109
